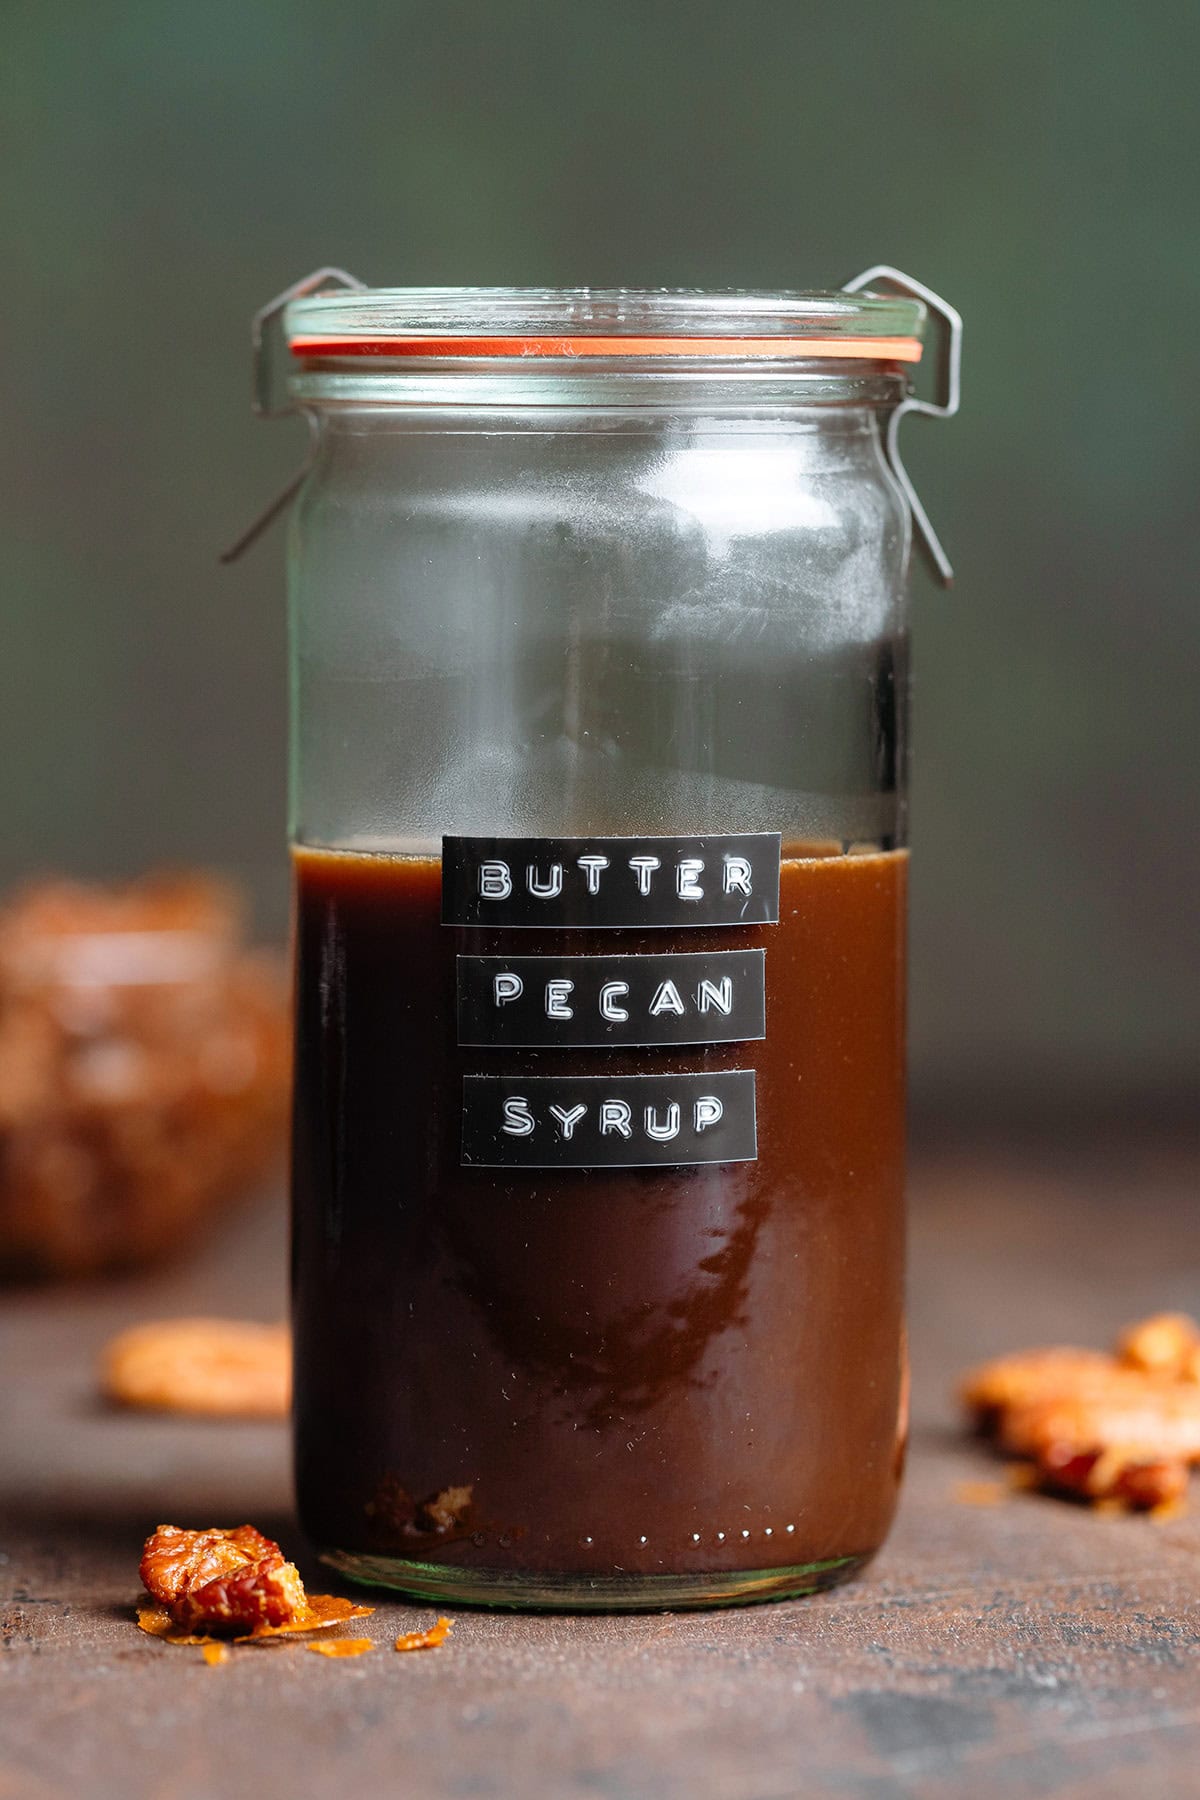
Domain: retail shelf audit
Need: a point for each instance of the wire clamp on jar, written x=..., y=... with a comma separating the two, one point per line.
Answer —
x=264, y=399
x=945, y=407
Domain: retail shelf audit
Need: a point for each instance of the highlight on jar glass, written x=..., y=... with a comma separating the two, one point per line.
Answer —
x=599, y=740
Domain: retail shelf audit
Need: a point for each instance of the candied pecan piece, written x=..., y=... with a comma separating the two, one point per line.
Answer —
x=266, y=1592
x=991, y=1389
x=1142, y=1415
x=224, y=1367
x=1164, y=1344
x=1117, y=1430
x=175, y=1559
x=1113, y=1474
x=225, y=1580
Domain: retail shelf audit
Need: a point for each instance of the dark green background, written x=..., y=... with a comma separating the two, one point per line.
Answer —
x=166, y=168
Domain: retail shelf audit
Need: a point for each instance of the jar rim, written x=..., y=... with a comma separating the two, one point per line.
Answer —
x=568, y=323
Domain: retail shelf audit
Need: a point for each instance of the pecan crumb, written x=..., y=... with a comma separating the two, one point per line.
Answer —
x=980, y=1493
x=426, y=1640
x=322, y=1611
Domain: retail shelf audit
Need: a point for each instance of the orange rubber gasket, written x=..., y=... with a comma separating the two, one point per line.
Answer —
x=892, y=349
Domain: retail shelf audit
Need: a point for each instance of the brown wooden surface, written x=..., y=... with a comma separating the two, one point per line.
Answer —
x=1028, y=1648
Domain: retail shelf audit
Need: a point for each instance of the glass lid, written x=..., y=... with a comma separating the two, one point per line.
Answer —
x=575, y=322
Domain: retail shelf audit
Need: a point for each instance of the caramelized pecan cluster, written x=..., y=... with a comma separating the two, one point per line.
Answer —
x=1121, y=1427
x=222, y=1581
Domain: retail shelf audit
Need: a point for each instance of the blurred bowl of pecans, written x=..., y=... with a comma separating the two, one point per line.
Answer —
x=144, y=1070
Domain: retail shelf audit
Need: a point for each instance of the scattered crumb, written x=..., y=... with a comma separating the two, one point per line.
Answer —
x=980, y=1493
x=214, y=1654
x=342, y=1647
x=323, y=1611
x=426, y=1640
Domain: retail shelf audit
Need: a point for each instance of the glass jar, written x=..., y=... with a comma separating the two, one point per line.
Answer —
x=598, y=673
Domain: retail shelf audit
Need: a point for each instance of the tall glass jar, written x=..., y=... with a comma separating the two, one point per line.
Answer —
x=598, y=652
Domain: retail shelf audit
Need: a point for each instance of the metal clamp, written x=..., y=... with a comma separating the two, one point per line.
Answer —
x=263, y=397
x=945, y=407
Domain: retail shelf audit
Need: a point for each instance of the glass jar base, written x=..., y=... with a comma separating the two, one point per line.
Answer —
x=547, y=1591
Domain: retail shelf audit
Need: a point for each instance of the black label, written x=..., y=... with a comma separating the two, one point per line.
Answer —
x=611, y=882
x=694, y=997
x=603, y=1121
